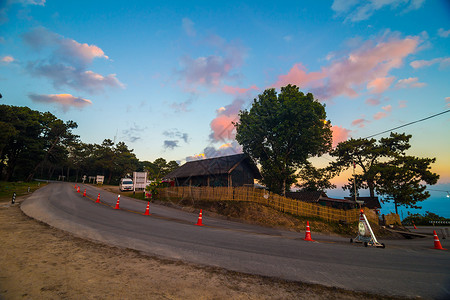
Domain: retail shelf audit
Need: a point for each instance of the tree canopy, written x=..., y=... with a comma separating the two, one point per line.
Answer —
x=386, y=169
x=281, y=131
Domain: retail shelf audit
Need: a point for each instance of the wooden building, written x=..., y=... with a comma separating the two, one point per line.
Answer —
x=228, y=171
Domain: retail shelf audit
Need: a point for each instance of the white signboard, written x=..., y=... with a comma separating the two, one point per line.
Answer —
x=100, y=179
x=140, y=180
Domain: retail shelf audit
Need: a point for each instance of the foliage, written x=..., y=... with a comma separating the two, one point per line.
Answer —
x=368, y=154
x=386, y=168
x=313, y=179
x=160, y=168
x=419, y=219
x=403, y=178
x=31, y=139
x=281, y=131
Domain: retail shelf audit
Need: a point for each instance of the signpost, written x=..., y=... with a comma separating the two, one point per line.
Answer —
x=365, y=233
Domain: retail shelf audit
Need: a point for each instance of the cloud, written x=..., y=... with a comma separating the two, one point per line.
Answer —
x=63, y=75
x=379, y=85
x=380, y=115
x=133, y=133
x=360, y=122
x=387, y=108
x=373, y=102
x=175, y=133
x=64, y=49
x=185, y=105
x=442, y=61
x=348, y=75
x=237, y=90
x=188, y=27
x=170, y=144
x=5, y=4
x=409, y=82
x=443, y=33
x=340, y=134
x=356, y=11
x=223, y=150
x=221, y=126
x=211, y=71
x=7, y=59
x=64, y=101
x=67, y=62
x=447, y=100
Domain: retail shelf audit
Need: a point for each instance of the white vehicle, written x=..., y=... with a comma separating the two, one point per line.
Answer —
x=126, y=184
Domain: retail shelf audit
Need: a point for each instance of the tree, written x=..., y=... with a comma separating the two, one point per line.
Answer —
x=281, y=131
x=160, y=168
x=368, y=154
x=402, y=180
x=313, y=179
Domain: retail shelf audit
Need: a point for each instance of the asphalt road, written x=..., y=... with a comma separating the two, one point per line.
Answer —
x=404, y=268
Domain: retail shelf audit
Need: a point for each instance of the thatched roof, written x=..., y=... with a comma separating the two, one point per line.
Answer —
x=213, y=166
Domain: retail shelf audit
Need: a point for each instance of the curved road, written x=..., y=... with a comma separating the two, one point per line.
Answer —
x=404, y=268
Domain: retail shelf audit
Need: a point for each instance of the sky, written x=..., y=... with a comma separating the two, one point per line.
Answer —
x=169, y=77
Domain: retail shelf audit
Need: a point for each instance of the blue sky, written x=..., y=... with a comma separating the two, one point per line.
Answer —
x=169, y=78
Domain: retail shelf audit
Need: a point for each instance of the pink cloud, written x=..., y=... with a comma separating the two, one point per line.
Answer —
x=379, y=85
x=348, y=75
x=409, y=82
x=387, y=108
x=297, y=75
x=7, y=59
x=340, y=134
x=360, y=122
x=64, y=101
x=373, y=101
x=447, y=100
x=221, y=126
x=211, y=71
x=442, y=61
x=236, y=90
x=65, y=49
x=380, y=115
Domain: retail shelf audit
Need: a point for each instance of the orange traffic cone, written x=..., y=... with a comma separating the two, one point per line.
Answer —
x=117, y=204
x=84, y=193
x=147, y=211
x=437, y=243
x=414, y=225
x=308, y=233
x=98, y=198
x=78, y=189
x=199, y=222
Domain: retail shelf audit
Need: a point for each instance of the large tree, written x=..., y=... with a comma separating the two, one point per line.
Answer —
x=368, y=154
x=403, y=180
x=281, y=131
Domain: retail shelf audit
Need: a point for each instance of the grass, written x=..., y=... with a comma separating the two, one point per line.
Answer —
x=21, y=188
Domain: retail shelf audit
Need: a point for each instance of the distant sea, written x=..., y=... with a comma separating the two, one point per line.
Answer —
x=438, y=202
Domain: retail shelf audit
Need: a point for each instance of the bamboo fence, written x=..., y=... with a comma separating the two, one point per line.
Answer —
x=263, y=197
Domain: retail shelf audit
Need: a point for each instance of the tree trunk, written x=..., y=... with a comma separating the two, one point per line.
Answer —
x=283, y=191
x=371, y=189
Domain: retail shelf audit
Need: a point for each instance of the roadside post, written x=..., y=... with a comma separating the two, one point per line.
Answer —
x=13, y=198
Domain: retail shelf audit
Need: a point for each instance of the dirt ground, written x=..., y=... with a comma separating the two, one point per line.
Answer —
x=40, y=262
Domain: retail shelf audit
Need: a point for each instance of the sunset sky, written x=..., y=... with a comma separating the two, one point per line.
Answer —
x=169, y=77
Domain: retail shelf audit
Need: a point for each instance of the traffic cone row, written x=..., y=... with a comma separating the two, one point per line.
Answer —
x=308, y=233
x=147, y=210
